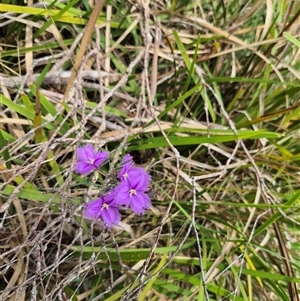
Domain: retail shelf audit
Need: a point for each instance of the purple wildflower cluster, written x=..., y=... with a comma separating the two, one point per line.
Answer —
x=131, y=190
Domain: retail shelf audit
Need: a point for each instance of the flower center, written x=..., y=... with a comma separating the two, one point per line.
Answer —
x=91, y=161
x=132, y=191
x=105, y=206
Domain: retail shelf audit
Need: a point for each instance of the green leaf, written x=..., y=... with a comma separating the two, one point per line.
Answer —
x=176, y=141
x=16, y=107
x=291, y=38
x=289, y=204
x=126, y=254
x=31, y=194
x=267, y=275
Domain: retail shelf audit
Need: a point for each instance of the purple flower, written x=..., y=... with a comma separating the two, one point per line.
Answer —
x=132, y=191
x=104, y=208
x=88, y=159
x=129, y=171
x=127, y=165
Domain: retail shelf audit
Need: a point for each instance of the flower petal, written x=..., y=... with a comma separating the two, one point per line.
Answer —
x=127, y=159
x=111, y=216
x=140, y=202
x=84, y=153
x=92, y=209
x=83, y=168
x=140, y=179
x=122, y=194
x=99, y=158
